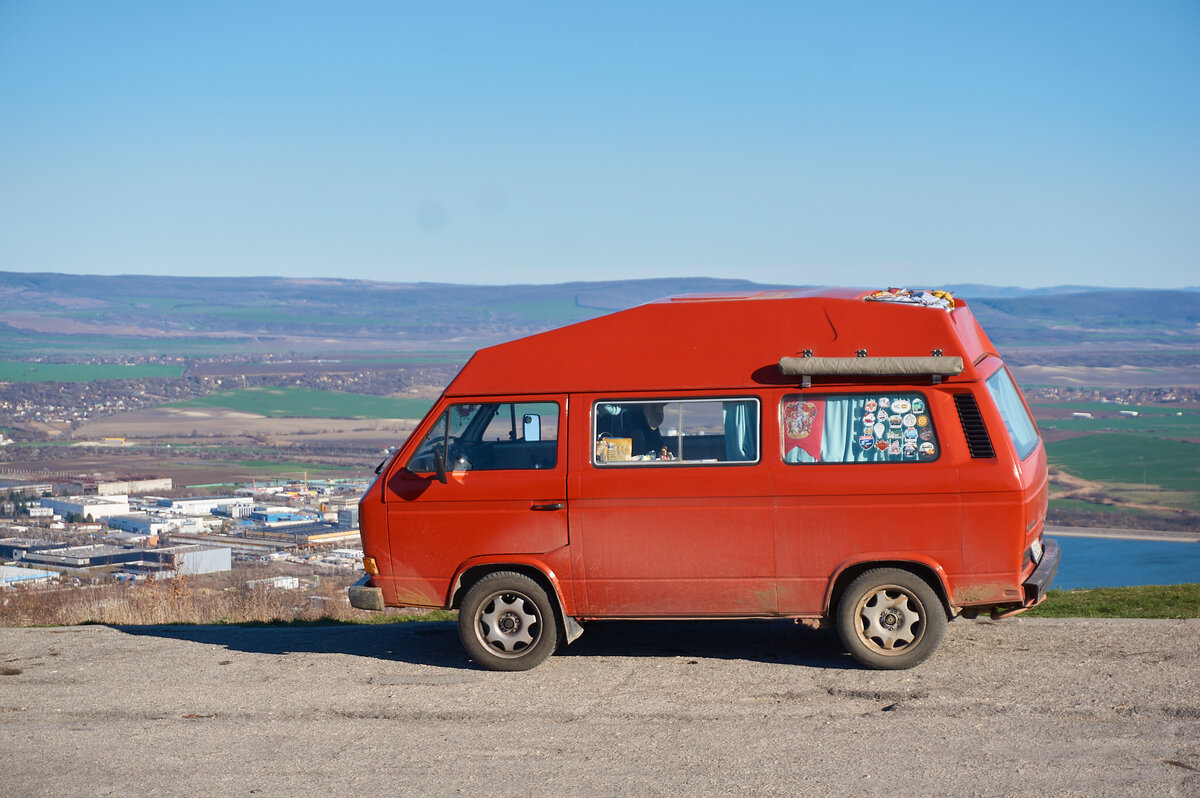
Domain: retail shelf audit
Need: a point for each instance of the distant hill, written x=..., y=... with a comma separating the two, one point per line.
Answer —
x=61, y=312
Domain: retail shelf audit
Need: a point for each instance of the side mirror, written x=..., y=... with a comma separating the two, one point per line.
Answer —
x=439, y=465
x=531, y=427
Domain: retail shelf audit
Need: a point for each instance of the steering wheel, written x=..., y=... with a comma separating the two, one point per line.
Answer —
x=456, y=458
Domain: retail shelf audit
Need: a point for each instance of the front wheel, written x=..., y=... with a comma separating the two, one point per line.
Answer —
x=507, y=622
x=890, y=619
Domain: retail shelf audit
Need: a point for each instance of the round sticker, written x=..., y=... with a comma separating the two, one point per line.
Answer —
x=922, y=421
x=926, y=434
x=871, y=406
x=910, y=450
x=926, y=449
x=869, y=420
x=910, y=420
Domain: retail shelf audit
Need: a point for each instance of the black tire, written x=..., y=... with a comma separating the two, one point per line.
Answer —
x=507, y=622
x=890, y=619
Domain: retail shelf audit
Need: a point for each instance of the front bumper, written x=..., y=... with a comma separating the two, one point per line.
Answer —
x=1039, y=581
x=365, y=597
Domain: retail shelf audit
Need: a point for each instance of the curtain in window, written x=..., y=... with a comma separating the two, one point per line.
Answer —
x=741, y=431
x=839, y=435
x=840, y=444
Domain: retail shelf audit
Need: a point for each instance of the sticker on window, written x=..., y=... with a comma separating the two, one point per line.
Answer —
x=860, y=428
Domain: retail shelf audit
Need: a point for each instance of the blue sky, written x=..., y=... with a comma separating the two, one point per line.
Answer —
x=1011, y=143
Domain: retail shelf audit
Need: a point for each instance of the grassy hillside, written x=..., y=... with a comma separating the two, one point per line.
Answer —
x=185, y=315
x=1147, y=601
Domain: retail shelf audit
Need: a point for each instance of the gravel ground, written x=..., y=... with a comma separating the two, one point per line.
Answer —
x=1024, y=707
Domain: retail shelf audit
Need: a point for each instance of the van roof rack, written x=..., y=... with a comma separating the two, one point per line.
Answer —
x=934, y=366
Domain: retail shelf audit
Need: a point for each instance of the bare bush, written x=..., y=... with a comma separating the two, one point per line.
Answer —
x=174, y=601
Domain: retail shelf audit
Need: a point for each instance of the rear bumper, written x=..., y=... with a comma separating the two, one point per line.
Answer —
x=365, y=597
x=1040, y=580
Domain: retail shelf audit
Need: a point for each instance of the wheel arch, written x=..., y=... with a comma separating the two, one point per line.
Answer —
x=471, y=572
x=928, y=570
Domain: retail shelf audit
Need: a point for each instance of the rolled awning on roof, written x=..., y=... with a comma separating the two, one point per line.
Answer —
x=870, y=366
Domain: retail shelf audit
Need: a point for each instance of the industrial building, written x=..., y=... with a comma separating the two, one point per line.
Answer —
x=146, y=524
x=282, y=516
x=83, y=506
x=238, y=543
x=232, y=506
x=17, y=548
x=168, y=561
x=34, y=489
x=123, y=487
x=150, y=525
x=11, y=576
x=311, y=535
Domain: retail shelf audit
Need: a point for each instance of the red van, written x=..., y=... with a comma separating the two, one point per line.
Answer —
x=834, y=456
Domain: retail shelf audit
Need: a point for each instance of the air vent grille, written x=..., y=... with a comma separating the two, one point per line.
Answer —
x=974, y=429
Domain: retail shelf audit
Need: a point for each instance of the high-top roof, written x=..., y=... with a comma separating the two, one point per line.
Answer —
x=721, y=342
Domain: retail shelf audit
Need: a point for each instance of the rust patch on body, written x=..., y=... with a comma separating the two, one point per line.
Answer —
x=979, y=594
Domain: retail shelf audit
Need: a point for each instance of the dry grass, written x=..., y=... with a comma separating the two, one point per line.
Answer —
x=180, y=601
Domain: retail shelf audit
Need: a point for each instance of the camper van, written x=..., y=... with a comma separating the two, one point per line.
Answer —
x=863, y=459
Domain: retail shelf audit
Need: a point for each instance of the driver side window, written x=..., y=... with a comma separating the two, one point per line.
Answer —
x=491, y=436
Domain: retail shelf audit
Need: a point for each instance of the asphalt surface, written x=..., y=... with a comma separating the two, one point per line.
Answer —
x=1025, y=707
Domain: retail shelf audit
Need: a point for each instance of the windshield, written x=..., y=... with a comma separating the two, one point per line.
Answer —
x=1021, y=429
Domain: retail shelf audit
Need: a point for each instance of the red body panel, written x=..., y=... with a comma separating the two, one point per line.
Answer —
x=831, y=517
x=744, y=539
x=671, y=542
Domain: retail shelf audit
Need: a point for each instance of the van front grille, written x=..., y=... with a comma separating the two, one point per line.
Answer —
x=978, y=441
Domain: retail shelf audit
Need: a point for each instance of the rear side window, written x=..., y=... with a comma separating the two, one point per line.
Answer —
x=675, y=432
x=858, y=428
x=1021, y=429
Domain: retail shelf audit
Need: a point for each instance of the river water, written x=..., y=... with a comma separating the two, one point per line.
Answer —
x=1107, y=562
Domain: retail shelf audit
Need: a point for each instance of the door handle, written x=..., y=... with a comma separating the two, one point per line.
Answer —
x=554, y=506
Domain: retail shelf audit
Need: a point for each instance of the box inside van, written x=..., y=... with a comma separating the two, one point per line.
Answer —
x=856, y=458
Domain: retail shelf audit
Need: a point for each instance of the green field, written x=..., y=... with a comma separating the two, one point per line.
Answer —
x=1130, y=459
x=280, y=467
x=547, y=311
x=1085, y=506
x=1152, y=420
x=282, y=316
x=16, y=344
x=1112, y=407
x=309, y=403
x=17, y=371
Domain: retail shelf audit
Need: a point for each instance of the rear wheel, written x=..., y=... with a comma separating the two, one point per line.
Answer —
x=507, y=622
x=890, y=619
